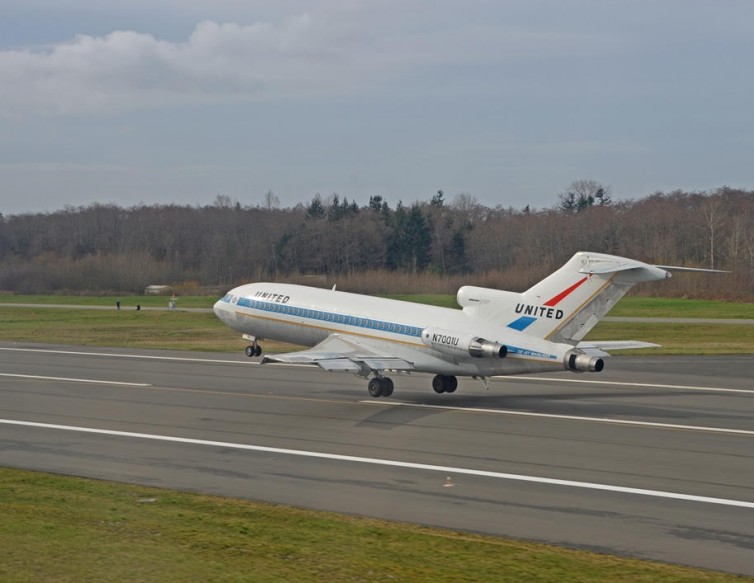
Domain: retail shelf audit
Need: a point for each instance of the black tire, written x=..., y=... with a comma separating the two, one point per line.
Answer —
x=451, y=384
x=249, y=350
x=257, y=350
x=387, y=387
x=375, y=387
x=438, y=383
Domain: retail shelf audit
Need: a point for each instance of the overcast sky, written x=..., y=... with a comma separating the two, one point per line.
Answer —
x=177, y=101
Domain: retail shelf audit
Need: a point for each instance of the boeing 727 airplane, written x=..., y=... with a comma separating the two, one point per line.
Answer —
x=496, y=332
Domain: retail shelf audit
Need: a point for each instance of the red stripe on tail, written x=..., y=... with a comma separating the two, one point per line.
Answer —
x=562, y=295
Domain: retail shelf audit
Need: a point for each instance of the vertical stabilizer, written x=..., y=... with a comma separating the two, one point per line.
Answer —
x=566, y=305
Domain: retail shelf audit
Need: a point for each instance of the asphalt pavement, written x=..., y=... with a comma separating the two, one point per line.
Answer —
x=652, y=458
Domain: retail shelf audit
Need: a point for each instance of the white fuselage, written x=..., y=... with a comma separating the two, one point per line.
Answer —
x=306, y=316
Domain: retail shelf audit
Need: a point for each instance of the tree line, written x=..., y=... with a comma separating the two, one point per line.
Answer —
x=427, y=246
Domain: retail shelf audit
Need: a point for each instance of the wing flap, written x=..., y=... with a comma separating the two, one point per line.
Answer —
x=343, y=353
x=387, y=364
x=338, y=365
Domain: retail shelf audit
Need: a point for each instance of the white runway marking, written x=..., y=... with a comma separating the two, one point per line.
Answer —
x=383, y=462
x=567, y=417
x=620, y=383
x=117, y=355
x=93, y=381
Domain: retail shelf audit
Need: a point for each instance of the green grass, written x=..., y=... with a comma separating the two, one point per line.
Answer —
x=680, y=338
x=125, y=328
x=681, y=308
x=126, y=301
x=55, y=528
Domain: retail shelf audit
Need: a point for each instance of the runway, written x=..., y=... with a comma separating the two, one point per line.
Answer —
x=652, y=458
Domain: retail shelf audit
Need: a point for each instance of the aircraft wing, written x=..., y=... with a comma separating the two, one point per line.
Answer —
x=340, y=352
x=598, y=347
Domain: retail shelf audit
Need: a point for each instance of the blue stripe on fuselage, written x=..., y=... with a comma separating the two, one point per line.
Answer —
x=335, y=318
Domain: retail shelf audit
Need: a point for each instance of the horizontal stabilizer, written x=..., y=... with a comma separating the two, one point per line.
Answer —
x=609, y=264
x=690, y=269
x=598, y=348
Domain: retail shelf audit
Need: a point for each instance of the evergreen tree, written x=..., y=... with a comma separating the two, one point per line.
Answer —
x=418, y=240
x=438, y=199
x=458, y=262
x=375, y=203
x=397, y=245
x=316, y=210
x=335, y=212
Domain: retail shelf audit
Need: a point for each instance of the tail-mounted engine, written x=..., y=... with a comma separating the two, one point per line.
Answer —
x=457, y=344
x=580, y=362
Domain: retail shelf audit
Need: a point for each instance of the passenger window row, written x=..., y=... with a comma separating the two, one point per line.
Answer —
x=331, y=317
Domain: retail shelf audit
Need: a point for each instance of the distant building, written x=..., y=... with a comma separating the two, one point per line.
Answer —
x=156, y=290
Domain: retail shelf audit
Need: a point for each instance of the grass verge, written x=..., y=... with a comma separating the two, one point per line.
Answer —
x=56, y=528
x=681, y=308
x=680, y=338
x=124, y=328
x=127, y=302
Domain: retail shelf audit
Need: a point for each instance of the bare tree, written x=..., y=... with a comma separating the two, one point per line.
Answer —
x=223, y=201
x=582, y=194
x=271, y=201
x=713, y=215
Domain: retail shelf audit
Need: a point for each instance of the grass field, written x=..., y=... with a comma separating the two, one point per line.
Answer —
x=127, y=302
x=126, y=328
x=680, y=338
x=55, y=528
x=681, y=308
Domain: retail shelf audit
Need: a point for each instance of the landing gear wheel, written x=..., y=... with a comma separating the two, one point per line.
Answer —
x=387, y=387
x=444, y=384
x=253, y=350
x=376, y=387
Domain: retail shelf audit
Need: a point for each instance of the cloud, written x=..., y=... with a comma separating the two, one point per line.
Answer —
x=305, y=55
x=127, y=69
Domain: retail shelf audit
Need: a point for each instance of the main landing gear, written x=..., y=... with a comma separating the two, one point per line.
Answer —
x=253, y=350
x=444, y=384
x=380, y=387
x=383, y=386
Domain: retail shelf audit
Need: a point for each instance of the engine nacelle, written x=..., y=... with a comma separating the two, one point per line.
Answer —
x=457, y=344
x=580, y=362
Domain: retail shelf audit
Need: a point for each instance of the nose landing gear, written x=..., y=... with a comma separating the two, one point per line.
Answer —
x=253, y=350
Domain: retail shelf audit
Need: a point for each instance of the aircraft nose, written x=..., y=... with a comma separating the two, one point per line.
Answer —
x=218, y=309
